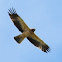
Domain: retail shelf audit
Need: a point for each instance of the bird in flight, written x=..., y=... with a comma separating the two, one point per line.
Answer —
x=26, y=32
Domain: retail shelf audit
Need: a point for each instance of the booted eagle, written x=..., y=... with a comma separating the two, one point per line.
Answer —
x=26, y=32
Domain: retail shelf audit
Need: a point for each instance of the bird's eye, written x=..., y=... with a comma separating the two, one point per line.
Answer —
x=33, y=30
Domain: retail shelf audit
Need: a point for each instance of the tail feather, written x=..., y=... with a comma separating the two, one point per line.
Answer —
x=19, y=38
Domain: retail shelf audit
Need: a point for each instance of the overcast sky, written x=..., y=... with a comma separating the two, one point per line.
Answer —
x=43, y=15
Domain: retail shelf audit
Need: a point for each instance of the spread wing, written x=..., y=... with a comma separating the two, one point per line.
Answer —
x=18, y=22
x=38, y=43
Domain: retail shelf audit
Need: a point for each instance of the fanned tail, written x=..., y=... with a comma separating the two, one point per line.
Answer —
x=19, y=38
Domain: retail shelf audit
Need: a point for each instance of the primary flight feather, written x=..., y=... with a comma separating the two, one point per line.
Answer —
x=26, y=32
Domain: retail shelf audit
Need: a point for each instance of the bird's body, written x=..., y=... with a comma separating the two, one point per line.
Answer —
x=26, y=32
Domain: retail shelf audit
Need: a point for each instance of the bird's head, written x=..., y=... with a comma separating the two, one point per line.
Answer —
x=33, y=30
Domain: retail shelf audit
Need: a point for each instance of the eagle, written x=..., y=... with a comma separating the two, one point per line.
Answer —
x=26, y=32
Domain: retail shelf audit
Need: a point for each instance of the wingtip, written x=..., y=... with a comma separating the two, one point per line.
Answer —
x=11, y=11
x=46, y=48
